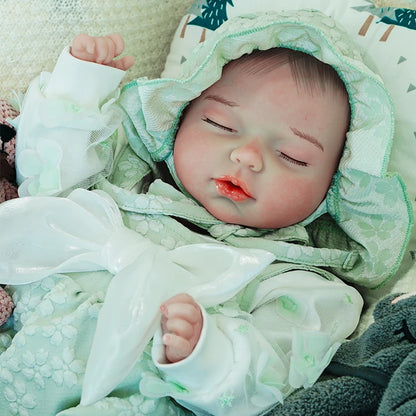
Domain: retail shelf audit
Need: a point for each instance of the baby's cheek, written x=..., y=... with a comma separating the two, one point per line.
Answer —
x=310, y=193
x=295, y=199
x=185, y=161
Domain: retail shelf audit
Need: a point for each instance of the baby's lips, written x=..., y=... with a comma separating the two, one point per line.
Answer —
x=232, y=188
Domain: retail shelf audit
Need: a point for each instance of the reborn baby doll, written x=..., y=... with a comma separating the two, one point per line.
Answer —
x=231, y=154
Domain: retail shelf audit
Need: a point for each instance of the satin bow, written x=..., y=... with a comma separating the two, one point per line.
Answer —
x=85, y=232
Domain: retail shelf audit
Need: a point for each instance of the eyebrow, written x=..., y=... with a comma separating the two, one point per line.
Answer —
x=307, y=137
x=221, y=100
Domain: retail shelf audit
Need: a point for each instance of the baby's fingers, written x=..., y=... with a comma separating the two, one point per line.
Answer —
x=110, y=47
x=176, y=347
x=83, y=47
x=179, y=327
x=104, y=50
x=124, y=63
x=93, y=49
x=186, y=311
x=118, y=43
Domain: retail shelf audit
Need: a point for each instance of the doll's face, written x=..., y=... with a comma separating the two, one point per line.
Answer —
x=258, y=149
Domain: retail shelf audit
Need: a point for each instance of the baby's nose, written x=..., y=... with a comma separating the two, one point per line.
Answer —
x=249, y=156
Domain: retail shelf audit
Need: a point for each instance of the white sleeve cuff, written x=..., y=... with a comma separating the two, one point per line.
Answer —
x=200, y=369
x=86, y=83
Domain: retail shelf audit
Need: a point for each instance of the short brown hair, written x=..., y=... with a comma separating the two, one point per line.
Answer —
x=308, y=72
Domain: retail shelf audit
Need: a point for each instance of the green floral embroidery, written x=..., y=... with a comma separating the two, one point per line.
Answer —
x=385, y=230
x=309, y=360
x=150, y=203
x=146, y=223
x=227, y=400
x=60, y=331
x=6, y=376
x=36, y=368
x=170, y=243
x=46, y=308
x=130, y=170
x=287, y=303
x=390, y=193
x=243, y=329
x=364, y=181
x=19, y=400
x=67, y=369
x=289, y=308
x=376, y=227
x=139, y=406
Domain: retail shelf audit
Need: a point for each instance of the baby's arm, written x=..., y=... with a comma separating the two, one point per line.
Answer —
x=102, y=50
x=181, y=326
x=67, y=118
x=248, y=360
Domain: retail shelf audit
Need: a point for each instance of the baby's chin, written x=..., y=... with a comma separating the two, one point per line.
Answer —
x=257, y=221
x=250, y=222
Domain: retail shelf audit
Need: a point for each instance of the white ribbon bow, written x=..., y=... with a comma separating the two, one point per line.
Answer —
x=85, y=232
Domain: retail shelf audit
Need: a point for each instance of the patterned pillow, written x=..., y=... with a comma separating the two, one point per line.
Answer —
x=385, y=35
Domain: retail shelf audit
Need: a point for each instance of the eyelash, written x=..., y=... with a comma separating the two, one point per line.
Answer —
x=220, y=126
x=291, y=160
x=231, y=130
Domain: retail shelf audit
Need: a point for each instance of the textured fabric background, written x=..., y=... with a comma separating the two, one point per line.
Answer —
x=33, y=33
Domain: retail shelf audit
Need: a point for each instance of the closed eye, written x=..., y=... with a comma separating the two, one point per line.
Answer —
x=289, y=159
x=219, y=126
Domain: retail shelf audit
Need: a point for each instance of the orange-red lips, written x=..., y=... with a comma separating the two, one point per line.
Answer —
x=232, y=188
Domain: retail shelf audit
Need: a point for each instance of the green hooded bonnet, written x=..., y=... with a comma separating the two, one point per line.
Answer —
x=361, y=229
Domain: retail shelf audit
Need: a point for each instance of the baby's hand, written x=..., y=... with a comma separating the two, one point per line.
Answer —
x=102, y=50
x=181, y=326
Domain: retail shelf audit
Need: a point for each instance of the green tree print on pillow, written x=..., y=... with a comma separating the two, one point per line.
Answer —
x=214, y=14
x=389, y=15
x=210, y=14
x=402, y=17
